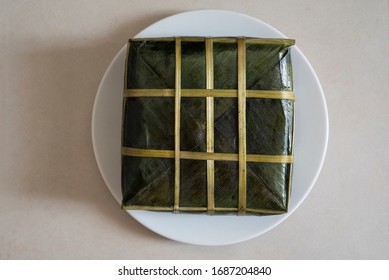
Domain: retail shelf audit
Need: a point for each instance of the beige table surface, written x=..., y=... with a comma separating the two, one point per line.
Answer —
x=53, y=201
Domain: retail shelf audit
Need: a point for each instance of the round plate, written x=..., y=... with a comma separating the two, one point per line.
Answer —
x=311, y=132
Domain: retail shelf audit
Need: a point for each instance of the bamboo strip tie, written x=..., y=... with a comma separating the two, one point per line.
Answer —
x=242, y=124
x=227, y=93
x=210, y=126
x=177, y=126
x=135, y=152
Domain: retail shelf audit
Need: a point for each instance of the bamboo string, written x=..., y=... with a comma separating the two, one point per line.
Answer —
x=177, y=125
x=134, y=152
x=227, y=93
x=242, y=124
x=210, y=126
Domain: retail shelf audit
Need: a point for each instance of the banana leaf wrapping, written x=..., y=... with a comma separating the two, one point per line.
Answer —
x=208, y=125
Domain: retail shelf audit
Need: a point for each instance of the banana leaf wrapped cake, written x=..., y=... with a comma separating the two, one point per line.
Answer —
x=208, y=125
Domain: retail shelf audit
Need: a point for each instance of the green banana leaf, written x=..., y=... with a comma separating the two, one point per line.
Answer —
x=148, y=123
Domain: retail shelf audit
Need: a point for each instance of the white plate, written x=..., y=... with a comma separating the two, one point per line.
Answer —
x=311, y=131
